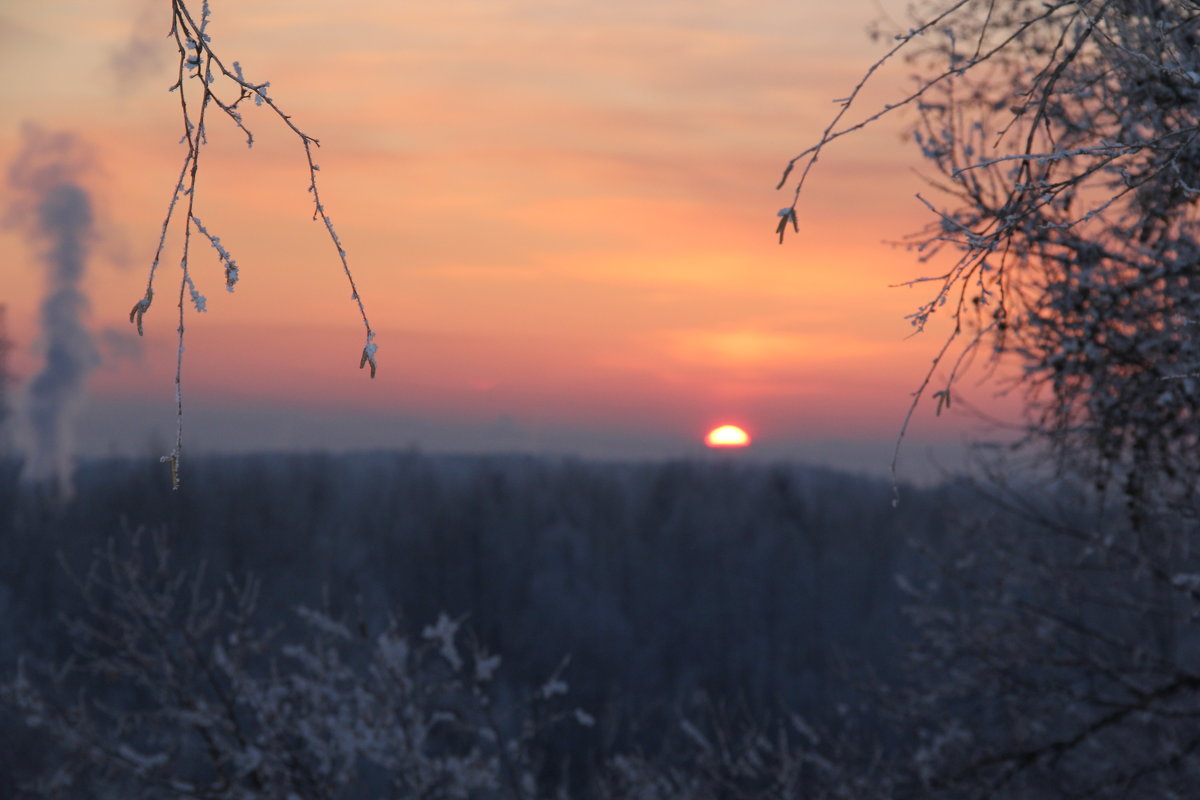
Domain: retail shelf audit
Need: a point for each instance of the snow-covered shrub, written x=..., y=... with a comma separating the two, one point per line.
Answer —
x=172, y=691
x=714, y=755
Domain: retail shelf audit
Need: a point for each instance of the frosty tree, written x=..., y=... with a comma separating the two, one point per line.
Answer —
x=1064, y=139
x=1059, y=656
x=208, y=86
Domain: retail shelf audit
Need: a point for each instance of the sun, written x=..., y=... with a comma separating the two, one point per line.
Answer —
x=727, y=436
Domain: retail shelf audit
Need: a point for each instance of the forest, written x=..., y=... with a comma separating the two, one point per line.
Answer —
x=658, y=591
x=411, y=625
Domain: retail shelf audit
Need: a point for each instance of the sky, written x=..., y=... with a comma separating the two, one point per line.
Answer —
x=560, y=215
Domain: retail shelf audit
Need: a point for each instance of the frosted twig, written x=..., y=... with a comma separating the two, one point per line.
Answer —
x=199, y=62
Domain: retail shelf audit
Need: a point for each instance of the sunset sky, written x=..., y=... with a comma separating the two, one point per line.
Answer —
x=560, y=215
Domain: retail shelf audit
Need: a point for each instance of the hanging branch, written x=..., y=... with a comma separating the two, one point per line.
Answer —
x=198, y=72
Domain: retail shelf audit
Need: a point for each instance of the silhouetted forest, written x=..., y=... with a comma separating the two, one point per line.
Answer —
x=751, y=588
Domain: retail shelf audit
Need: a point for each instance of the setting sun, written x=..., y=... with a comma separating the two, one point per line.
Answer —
x=727, y=436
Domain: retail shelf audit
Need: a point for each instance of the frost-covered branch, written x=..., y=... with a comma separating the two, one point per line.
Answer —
x=1066, y=143
x=200, y=72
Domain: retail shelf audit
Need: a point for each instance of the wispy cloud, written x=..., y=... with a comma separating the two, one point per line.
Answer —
x=146, y=49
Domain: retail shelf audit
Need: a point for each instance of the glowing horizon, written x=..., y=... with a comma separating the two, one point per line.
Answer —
x=562, y=215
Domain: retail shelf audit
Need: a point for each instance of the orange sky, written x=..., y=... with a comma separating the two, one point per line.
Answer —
x=560, y=214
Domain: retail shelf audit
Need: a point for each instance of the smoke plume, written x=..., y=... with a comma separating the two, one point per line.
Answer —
x=53, y=210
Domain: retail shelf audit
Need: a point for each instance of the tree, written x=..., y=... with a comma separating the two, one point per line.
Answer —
x=1058, y=657
x=1064, y=136
x=201, y=71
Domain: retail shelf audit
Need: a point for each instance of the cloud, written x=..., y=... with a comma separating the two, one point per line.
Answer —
x=141, y=55
x=120, y=345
